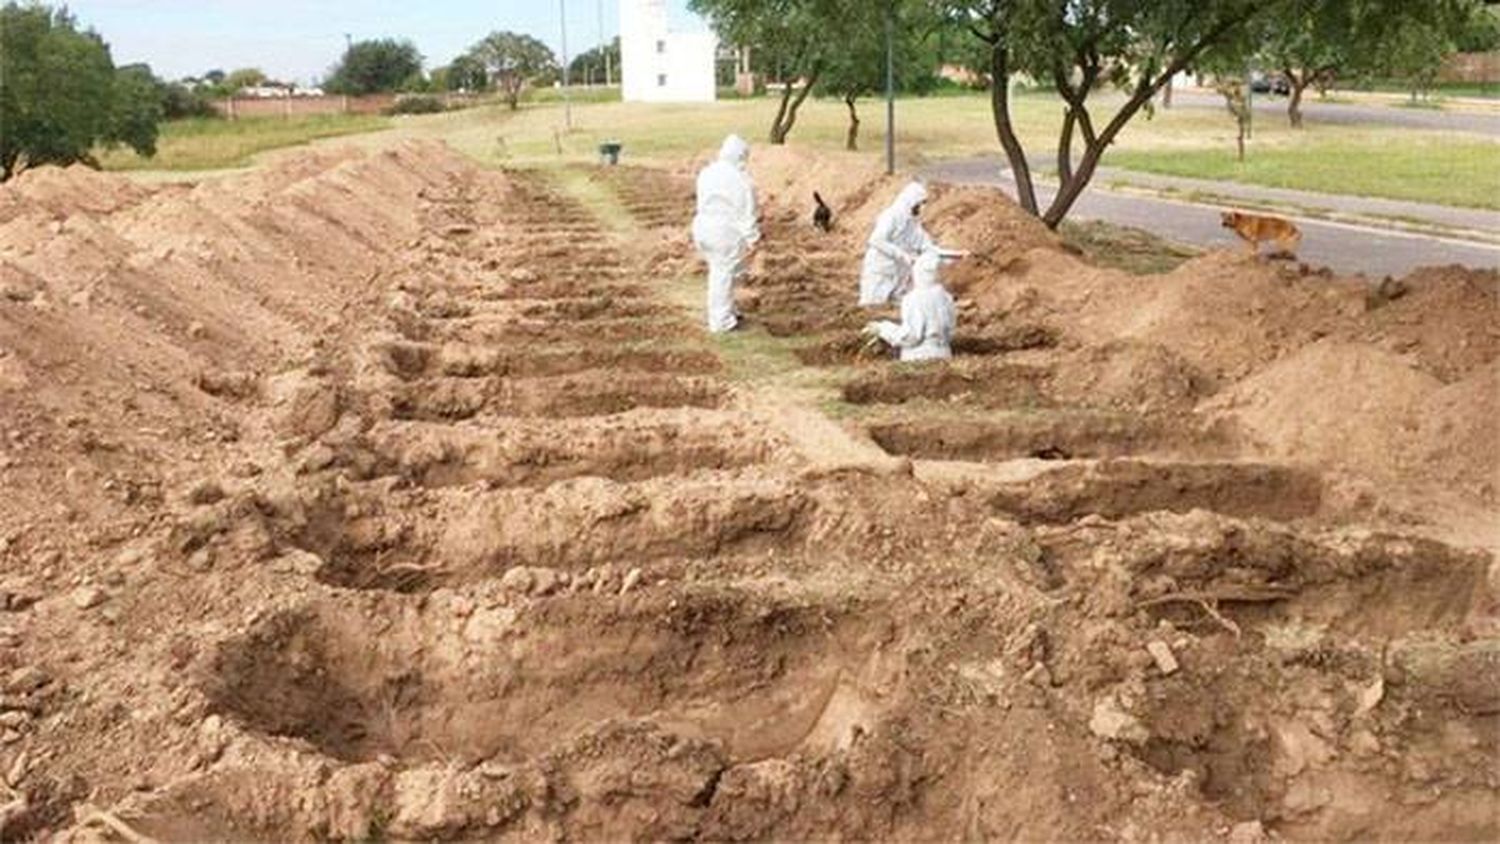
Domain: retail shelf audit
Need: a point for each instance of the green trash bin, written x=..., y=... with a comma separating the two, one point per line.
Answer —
x=609, y=152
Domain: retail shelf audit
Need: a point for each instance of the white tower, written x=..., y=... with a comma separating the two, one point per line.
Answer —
x=658, y=65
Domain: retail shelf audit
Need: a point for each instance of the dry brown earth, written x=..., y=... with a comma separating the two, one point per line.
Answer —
x=381, y=496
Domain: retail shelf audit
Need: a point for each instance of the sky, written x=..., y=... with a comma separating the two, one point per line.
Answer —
x=299, y=40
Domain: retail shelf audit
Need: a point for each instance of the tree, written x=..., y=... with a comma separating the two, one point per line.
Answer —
x=1080, y=45
x=1232, y=88
x=513, y=62
x=179, y=101
x=135, y=109
x=857, y=68
x=1479, y=28
x=245, y=77
x=796, y=39
x=1415, y=53
x=376, y=67
x=1312, y=42
x=60, y=94
x=466, y=73
x=599, y=63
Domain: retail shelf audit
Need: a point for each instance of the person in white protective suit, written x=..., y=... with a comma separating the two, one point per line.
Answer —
x=893, y=247
x=928, y=315
x=725, y=228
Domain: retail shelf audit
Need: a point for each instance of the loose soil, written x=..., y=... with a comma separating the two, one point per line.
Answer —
x=375, y=495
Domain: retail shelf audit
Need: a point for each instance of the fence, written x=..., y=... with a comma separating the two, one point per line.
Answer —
x=1478, y=68
x=289, y=107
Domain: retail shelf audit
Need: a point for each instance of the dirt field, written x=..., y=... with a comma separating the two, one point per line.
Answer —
x=378, y=496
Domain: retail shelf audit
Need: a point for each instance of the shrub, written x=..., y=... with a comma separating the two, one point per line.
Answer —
x=418, y=104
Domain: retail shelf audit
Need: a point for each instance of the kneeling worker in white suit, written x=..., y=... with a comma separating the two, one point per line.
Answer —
x=928, y=315
x=725, y=228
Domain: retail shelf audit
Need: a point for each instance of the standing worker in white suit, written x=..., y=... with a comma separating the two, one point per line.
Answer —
x=726, y=228
x=894, y=245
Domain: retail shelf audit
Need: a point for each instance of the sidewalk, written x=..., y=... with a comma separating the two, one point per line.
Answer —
x=1462, y=223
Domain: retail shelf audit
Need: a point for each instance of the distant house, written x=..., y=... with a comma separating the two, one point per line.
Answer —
x=658, y=65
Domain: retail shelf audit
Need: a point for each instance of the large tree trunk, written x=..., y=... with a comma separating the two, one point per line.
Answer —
x=1065, y=146
x=786, y=116
x=778, y=132
x=851, y=143
x=1299, y=86
x=1005, y=129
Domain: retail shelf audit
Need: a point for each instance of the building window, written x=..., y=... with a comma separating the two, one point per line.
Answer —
x=661, y=46
x=661, y=81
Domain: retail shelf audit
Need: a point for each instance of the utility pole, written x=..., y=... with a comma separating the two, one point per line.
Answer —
x=562, y=6
x=890, y=87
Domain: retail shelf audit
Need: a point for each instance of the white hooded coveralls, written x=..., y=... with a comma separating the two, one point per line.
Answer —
x=928, y=316
x=725, y=228
x=894, y=245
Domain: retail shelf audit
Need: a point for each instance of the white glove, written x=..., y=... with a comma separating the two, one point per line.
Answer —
x=871, y=329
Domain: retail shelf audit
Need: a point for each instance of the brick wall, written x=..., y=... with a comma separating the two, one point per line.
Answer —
x=1471, y=67
x=304, y=106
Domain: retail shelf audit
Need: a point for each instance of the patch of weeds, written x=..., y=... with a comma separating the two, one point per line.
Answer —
x=1124, y=248
x=584, y=185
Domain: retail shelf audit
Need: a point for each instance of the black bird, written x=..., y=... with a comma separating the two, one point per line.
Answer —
x=822, y=215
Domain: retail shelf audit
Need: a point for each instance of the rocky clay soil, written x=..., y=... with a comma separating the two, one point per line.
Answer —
x=379, y=496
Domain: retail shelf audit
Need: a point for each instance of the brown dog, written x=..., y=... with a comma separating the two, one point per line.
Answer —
x=1255, y=230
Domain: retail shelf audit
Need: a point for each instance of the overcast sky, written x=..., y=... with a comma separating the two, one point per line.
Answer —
x=300, y=39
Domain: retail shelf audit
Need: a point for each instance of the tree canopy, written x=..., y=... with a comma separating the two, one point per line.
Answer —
x=795, y=40
x=245, y=77
x=60, y=94
x=376, y=67
x=1079, y=46
x=514, y=61
x=858, y=67
x=591, y=66
x=465, y=73
x=1314, y=42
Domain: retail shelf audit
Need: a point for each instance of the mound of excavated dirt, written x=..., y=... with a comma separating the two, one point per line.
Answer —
x=1346, y=404
x=64, y=192
x=987, y=223
x=1458, y=432
x=1447, y=320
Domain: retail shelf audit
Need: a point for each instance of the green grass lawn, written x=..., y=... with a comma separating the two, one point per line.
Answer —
x=211, y=144
x=1417, y=166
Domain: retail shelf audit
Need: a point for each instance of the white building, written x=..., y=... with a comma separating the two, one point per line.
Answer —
x=659, y=65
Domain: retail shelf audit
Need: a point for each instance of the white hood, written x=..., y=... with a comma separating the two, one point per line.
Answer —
x=735, y=151
x=910, y=197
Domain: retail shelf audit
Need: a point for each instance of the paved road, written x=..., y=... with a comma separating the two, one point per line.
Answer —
x=1345, y=248
x=1351, y=114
